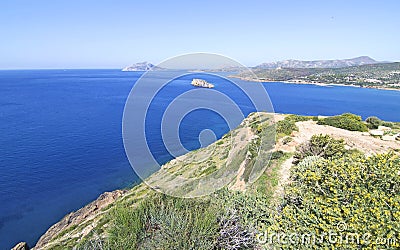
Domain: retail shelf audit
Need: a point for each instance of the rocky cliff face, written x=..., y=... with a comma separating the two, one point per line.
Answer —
x=21, y=246
x=88, y=217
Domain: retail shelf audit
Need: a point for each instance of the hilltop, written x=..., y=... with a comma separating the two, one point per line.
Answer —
x=306, y=151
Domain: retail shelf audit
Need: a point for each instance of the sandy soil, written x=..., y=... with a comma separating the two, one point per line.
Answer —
x=240, y=184
x=353, y=139
x=284, y=175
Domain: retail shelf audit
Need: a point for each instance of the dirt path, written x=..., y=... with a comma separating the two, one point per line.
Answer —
x=240, y=184
x=284, y=175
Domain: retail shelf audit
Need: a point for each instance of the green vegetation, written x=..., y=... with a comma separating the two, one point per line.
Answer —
x=281, y=74
x=322, y=146
x=300, y=118
x=373, y=75
x=345, y=121
x=287, y=140
x=288, y=125
x=267, y=183
x=328, y=186
x=277, y=155
x=373, y=122
x=361, y=193
x=225, y=220
x=167, y=222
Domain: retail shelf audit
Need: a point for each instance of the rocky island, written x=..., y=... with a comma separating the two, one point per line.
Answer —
x=202, y=83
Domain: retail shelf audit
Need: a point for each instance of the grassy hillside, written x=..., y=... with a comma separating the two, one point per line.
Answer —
x=314, y=186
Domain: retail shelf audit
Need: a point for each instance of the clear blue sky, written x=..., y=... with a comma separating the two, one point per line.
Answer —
x=112, y=34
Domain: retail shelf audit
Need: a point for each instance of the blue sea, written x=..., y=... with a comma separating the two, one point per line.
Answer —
x=61, y=137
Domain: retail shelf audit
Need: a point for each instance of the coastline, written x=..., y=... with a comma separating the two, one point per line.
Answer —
x=311, y=83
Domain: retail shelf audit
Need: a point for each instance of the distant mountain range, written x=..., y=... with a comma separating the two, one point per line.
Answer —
x=362, y=60
x=298, y=64
x=141, y=66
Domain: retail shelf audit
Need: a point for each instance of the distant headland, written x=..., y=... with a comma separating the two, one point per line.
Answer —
x=141, y=66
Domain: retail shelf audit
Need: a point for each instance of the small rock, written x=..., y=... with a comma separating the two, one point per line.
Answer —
x=384, y=128
x=21, y=246
x=388, y=138
x=376, y=132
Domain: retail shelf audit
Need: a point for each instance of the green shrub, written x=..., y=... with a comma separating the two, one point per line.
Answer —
x=286, y=127
x=389, y=124
x=373, y=122
x=307, y=162
x=220, y=142
x=167, y=223
x=299, y=118
x=253, y=208
x=233, y=234
x=277, y=155
x=361, y=193
x=127, y=227
x=345, y=121
x=287, y=140
x=320, y=145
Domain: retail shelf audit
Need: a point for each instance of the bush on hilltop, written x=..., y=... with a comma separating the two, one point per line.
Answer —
x=286, y=127
x=373, y=122
x=320, y=145
x=345, y=121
